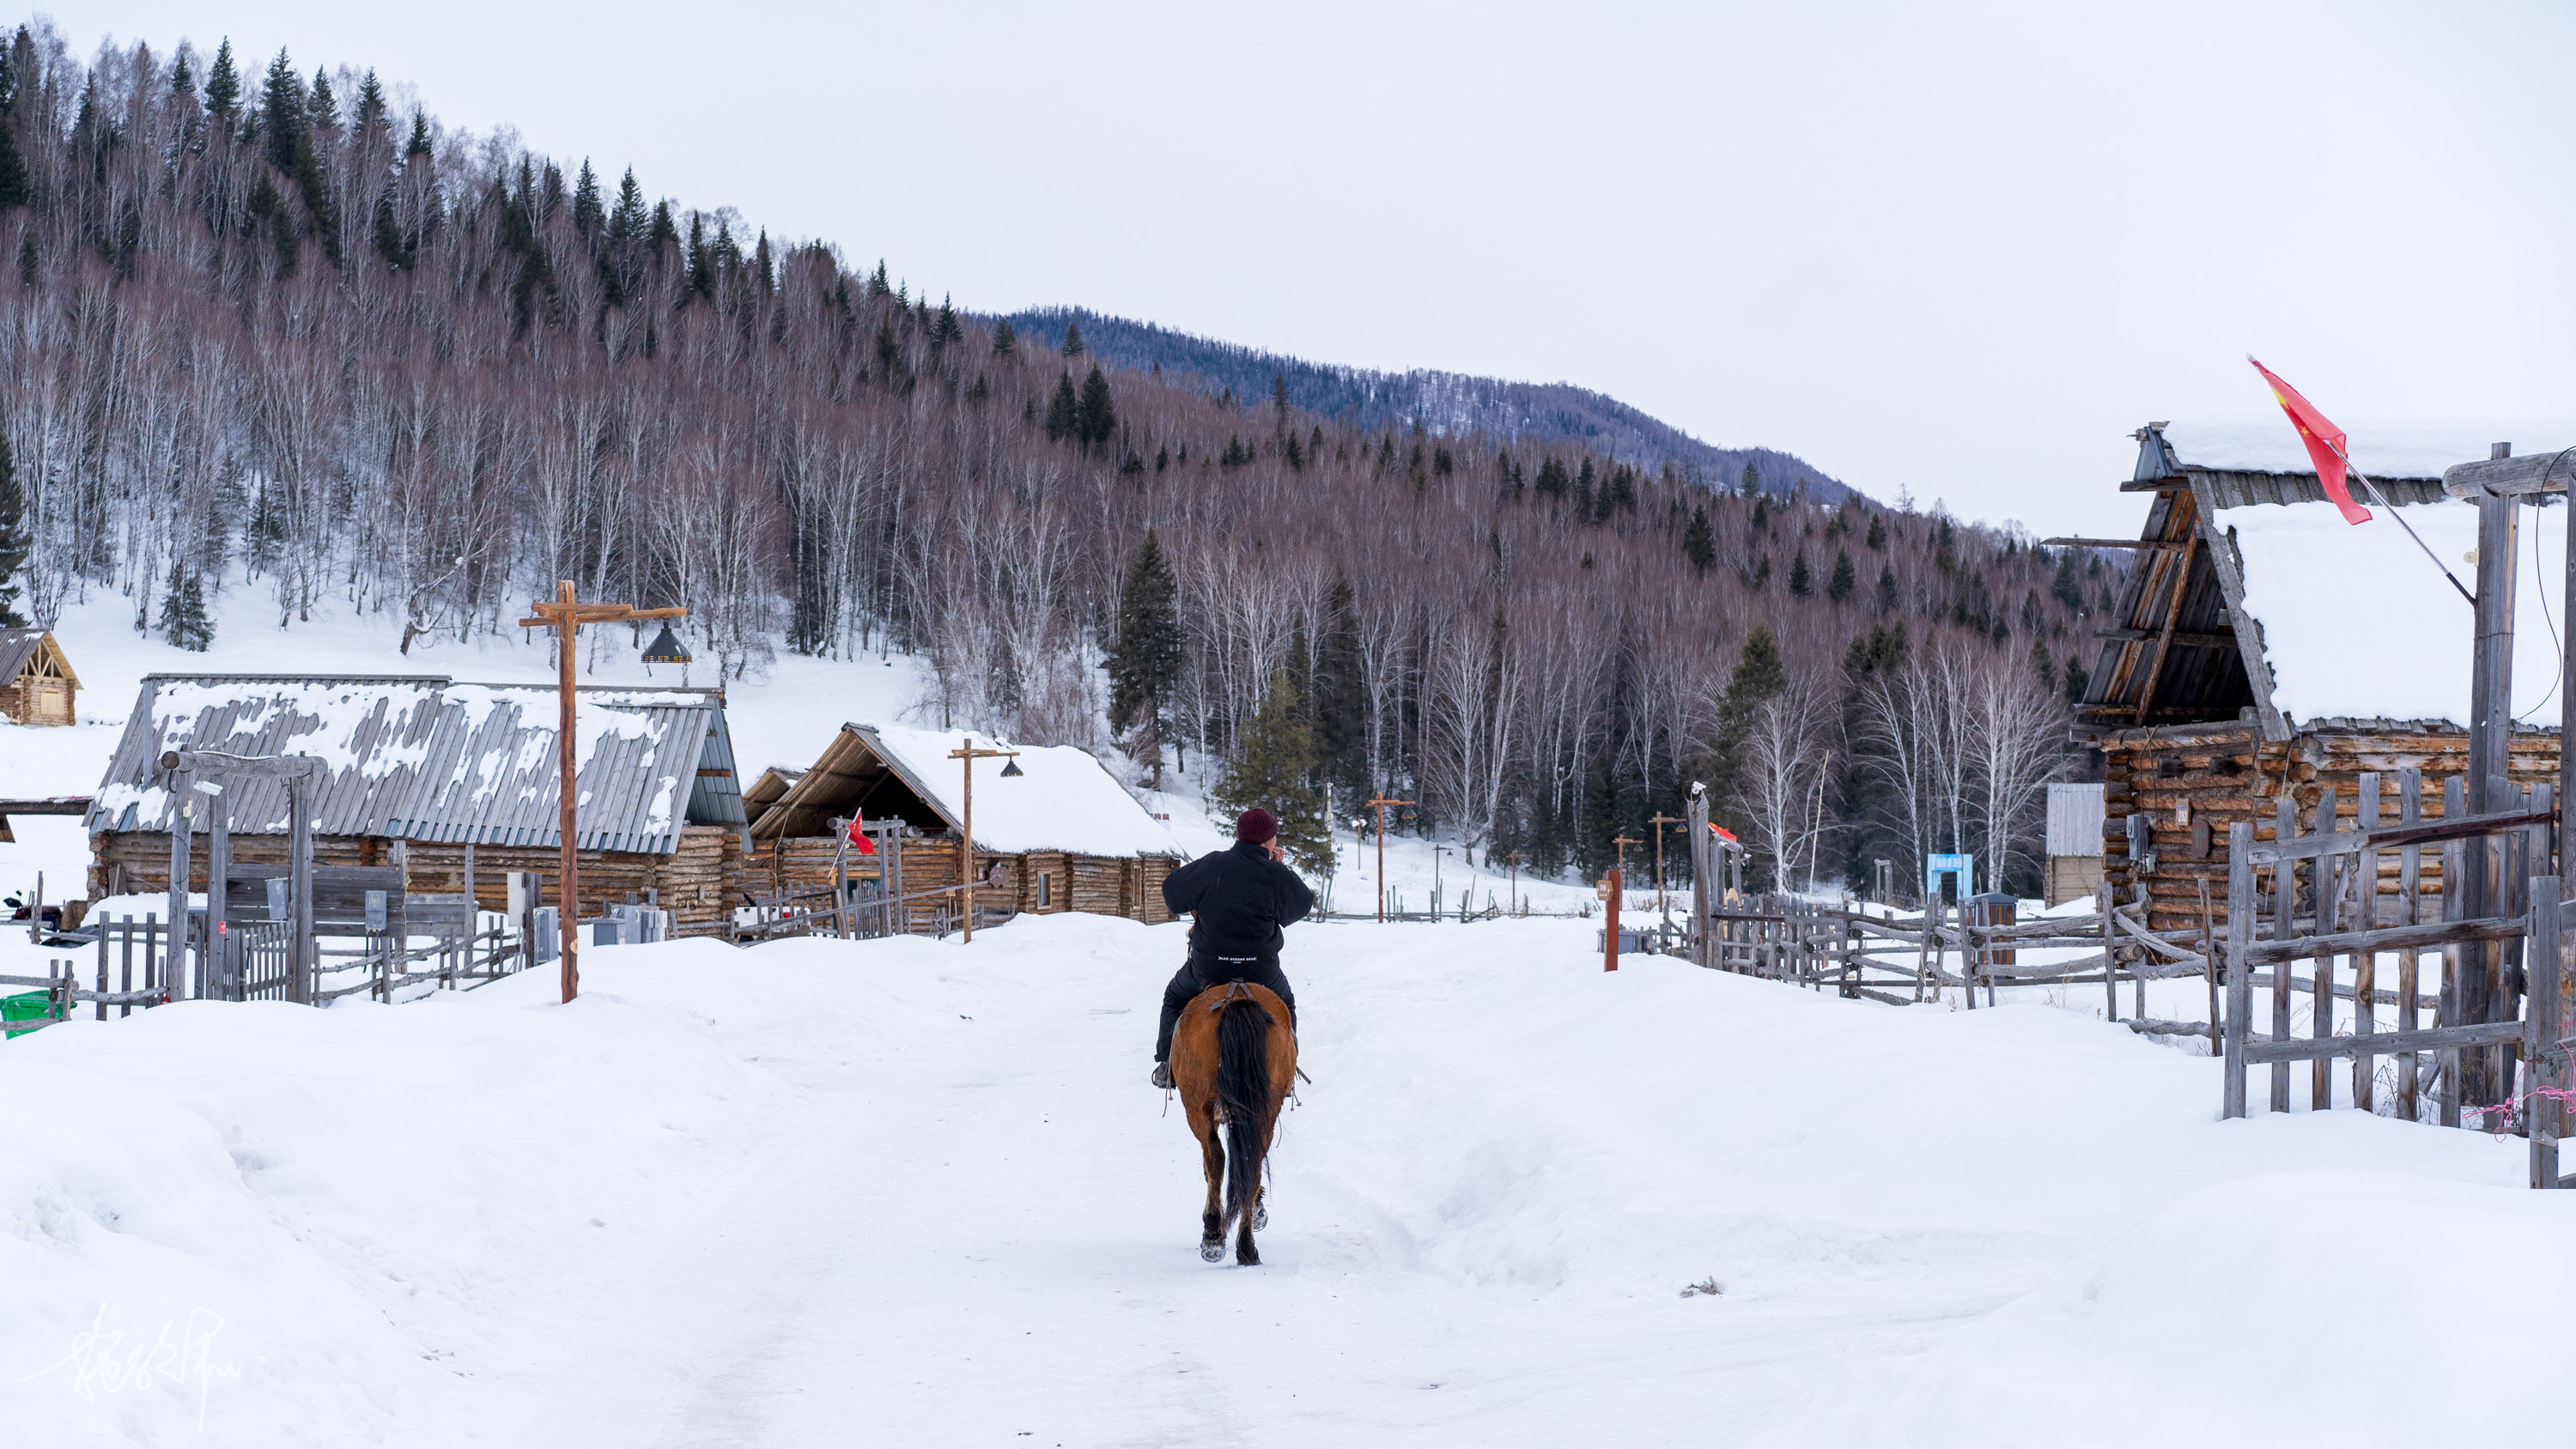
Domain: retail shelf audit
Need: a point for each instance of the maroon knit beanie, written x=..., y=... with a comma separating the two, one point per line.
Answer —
x=1255, y=826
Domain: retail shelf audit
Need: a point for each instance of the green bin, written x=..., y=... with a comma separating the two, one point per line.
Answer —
x=26, y=1006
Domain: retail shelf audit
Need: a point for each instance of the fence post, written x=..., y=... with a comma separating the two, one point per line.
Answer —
x=2103, y=897
x=183, y=821
x=2541, y=1030
x=2240, y=982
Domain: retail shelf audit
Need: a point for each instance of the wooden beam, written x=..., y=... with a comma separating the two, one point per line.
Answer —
x=2187, y=637
x=2173, y=615
x=2111, y=542
x=2530, y=473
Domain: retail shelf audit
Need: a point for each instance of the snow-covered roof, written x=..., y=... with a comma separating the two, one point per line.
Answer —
x=422, y=757
x=1062, y=799
x=2270, y=445
x=2358, y=624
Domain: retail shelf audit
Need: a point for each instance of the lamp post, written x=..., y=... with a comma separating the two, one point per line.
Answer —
x=966, y=759
x=1379, y=804
x=564, y=616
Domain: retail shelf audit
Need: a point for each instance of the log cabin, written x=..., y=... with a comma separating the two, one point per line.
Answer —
x=2265, y=649
x=1060, y=835
x=450, y=771
x=37, y=686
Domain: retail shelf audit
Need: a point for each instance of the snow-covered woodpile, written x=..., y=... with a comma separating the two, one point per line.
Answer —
x=37, y=685
x=449, y=769
x=1061, y=835
x=2267, y=648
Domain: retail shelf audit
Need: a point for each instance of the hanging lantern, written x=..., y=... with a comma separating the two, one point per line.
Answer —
x=1011, y=768
x=666, y=648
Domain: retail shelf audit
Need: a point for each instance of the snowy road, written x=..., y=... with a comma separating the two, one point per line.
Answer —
x=912, y=1193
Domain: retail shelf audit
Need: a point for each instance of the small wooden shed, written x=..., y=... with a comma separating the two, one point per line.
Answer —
x=2264, y=650
x=37, y=686
x=1060, y=835
x=2074, y=842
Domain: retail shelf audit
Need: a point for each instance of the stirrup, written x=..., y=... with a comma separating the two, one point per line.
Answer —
x=1162, y=1075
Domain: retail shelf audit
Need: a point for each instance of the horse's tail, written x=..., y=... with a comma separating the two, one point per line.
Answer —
x=1243, y=1088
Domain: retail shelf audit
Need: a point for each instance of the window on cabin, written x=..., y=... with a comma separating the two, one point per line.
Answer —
x=1046, y=891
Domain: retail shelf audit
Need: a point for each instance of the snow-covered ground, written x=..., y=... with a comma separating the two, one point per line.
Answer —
x=915, y=1192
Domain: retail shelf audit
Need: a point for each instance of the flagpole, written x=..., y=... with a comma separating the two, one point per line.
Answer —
x=2382, y=500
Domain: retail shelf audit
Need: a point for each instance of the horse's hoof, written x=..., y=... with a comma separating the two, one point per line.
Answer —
x=1247, y=1260
x=1261, y=1218
x=1213, y=1252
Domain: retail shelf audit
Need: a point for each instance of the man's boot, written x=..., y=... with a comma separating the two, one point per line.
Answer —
x=1163, y=1075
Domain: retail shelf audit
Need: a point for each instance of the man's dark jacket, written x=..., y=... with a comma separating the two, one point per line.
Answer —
x=1242, y=898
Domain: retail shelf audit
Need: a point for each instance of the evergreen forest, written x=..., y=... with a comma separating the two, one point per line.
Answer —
x=270, y=335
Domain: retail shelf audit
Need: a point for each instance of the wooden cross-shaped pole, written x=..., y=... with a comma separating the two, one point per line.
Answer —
x=565, y=616
x=966, y=835
x=1662, y=823
x=1380, y=804
x=1618, y=884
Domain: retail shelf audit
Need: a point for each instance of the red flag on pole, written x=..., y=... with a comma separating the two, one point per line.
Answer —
x=858, y=837
x=2325, y=443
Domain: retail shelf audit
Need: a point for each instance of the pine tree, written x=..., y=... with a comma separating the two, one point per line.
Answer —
x=587, y=217
x=1341, y=695
x=1877, y=539
x=626, y=223
x=184, y=621
x=223, y=83
x=2077, y=680
x=282, y=117
x=1072, y=342
x=1752, y=481
x=1699, y=545
x=1274, y=756
x=1887, y=588
x=417, y=145
x=1005, y=341
x=322, y=111
x=15, y=544
x=182, y=83
x=1144, y=660
x=2042, y=665
x=1845, y=578
x=2068, y=590
x=1064, y=412
x=372, y=117
x=1097, y=417
x=1802, y=582
x=13, y=167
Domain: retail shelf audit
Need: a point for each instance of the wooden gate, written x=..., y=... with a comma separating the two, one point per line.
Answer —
x=2356, y=913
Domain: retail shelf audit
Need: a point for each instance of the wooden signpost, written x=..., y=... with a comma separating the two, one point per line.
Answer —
x=1379, y=804
x=565, y=617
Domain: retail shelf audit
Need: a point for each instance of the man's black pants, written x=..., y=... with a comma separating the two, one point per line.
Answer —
x=1197, y=976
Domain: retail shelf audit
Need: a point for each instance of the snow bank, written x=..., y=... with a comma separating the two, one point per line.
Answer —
x=2357, y=623
x=2268, y=444
x=2266, y=1311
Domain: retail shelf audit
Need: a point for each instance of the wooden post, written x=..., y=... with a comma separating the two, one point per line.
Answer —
x=2240, y=982
x=1379, y=804
x=2365, y=964
x=2542, y=1029
x=183, y=819
x=1610, y=935
x=214, y=976
x=2110, y=903
x=2490, y=734
x=565, y=617
x=966, y=759
x=299, y=887
x=2285, y=908
x=2455, y=959
x=2410, y=876
x=1700, y=923
x=2330, y=879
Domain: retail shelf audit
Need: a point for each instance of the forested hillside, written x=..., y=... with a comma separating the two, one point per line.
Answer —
x=266, y=337
x=1445, y=402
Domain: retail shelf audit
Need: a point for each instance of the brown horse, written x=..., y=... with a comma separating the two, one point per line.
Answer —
x=1233, y=1061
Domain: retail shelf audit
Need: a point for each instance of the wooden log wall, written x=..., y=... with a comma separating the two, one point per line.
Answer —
x=32, y=699
x=1100, y=885
x=2192, y=784
x=698, y=883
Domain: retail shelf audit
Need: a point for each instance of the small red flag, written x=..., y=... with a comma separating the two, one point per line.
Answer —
x=2325, y=443
x=858, y=838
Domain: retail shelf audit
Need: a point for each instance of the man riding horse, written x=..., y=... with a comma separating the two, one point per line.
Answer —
x=1239, y=901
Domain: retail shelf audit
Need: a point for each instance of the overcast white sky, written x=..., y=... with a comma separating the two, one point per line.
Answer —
x=1963, y=248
